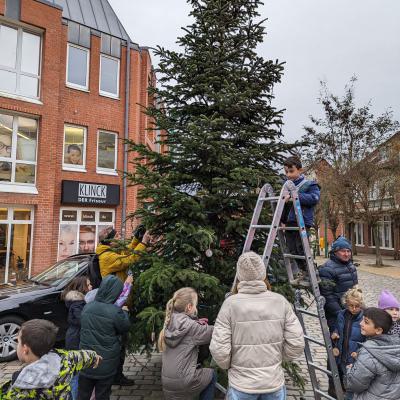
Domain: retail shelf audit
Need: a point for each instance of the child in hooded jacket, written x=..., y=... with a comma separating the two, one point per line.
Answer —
x=388, y=302
x=347, y=337
x=182, y=378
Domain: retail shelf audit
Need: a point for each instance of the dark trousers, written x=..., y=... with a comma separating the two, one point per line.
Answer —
x=102, y=388
x=294, y=245
x=120, y=370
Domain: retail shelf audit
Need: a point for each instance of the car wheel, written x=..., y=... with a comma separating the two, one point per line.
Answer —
x=9, y=328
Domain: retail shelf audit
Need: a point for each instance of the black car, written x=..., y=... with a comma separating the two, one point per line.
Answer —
x=38, y=297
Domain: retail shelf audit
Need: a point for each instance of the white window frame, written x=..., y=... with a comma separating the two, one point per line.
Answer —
x=79, y=222
x=381, y=233
x=103, y=92
x=102, y=170
x=74, y=85
x=71, y=167
x=359, y=228
x=12, y=186
x=10, y=221
x=17, y=69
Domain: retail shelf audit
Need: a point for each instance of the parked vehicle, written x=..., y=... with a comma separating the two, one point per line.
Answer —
x=38, y=297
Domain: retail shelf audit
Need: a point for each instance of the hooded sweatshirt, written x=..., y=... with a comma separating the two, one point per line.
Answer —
x=102, y=323
x=376, y=373
x=49, y=377
x=181, y=378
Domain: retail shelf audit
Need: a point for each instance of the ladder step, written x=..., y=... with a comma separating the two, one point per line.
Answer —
x=220, y=388
x=323, y=394
x=294, y=256
x=260, y=226
x=319, y=368
x=289, y=228
x=271, y=198
x=310, y=313
x=310, y=339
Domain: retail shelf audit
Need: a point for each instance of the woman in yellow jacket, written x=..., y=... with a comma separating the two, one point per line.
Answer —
x=112, y=262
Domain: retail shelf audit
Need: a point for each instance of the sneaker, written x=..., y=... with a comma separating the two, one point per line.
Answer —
x=123, y=381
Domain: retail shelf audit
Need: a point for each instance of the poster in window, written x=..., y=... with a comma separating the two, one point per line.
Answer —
x=67, y=241
x=103, y=231
x=74, y=143
x=87, y=239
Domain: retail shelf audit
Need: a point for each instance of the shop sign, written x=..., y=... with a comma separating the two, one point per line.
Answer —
x=89, y=193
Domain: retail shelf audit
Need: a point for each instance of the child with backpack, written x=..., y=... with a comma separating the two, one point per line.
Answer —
x=347, y=337
x=376, y=371
x=47, y=373
x=74, y=297
x=182, y=377
x=388, y=302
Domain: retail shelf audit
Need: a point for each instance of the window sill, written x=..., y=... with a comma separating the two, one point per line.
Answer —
x=18, y=188
x=19, y=97
x=74, y=169
x=382, y=248
x=101, y=172
x=109, y=95
x=80, y=88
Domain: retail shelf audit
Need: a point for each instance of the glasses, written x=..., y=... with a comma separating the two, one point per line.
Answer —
x=4, y=146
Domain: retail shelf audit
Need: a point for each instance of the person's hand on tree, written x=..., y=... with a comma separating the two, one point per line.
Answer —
x=129, y=280
x=125, y=308
x=335, y=336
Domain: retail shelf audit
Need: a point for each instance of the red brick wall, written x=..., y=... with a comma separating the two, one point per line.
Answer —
x=65, y=105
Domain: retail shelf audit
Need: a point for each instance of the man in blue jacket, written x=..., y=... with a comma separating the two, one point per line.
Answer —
x=309, y=195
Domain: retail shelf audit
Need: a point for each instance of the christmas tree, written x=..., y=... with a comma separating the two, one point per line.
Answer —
x=213, y=102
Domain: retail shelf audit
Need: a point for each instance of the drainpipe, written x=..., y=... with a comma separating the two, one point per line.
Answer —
x=126, y=136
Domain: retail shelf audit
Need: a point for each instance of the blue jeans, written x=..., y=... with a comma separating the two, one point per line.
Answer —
x=209, y=392
x=74, y=387
x=234, y=394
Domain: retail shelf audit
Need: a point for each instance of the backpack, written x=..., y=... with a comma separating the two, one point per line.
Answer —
x=94, y=274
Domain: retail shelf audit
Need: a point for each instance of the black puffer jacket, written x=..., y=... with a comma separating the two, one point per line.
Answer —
x=102, y=323
x=75, y=301
x=337, y=277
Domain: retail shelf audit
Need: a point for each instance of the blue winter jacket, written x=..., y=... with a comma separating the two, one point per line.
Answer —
x=337, y=277
x=309, y=194
x=350, y=336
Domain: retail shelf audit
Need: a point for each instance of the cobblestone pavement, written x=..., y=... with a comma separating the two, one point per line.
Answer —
x=146, y=372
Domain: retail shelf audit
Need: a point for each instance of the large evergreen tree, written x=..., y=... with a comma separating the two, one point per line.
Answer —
x=223, y=139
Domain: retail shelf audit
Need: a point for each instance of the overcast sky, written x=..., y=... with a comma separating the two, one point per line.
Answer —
x=318, y=39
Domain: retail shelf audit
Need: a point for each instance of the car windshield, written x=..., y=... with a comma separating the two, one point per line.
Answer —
x=61, y=273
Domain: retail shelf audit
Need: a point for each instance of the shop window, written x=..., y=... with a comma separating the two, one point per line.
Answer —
x=81, y=230
x=15, y=243
x=109, y=76
x=18, y=143
x=74, y=147
x=19, y=61
x=77, y=67
x=107, y=152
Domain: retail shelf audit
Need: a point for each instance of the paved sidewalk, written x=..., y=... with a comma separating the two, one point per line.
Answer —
x=146, y=372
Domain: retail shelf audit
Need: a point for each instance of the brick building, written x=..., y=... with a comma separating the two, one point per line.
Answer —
x=71, y=80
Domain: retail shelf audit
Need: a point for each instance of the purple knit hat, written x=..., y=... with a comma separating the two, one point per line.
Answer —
x=387, y=300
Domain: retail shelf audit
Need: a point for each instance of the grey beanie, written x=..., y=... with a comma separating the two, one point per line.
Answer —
x=250, y=267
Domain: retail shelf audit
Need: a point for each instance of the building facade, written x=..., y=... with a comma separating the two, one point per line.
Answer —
x=71, y=81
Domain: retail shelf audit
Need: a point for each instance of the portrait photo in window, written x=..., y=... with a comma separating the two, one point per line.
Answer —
x=67, y=242
x=87, y=239
x=106, y=151
x=74, y=147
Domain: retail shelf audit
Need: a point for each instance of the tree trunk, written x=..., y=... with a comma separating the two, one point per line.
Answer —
x=378, y=261
x=396, y=243
x=353, y=238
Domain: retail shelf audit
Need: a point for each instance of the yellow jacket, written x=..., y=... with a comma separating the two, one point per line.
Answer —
x=113, y=262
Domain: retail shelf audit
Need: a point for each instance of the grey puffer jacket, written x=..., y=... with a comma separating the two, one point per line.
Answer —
x=180, y=378
x=376, y=373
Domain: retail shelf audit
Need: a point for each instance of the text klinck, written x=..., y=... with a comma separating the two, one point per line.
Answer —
x=90, y=190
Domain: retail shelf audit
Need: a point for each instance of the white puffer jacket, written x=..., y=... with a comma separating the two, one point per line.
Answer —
x=255, y=331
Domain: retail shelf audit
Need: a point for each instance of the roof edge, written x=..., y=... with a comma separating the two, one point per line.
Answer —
x=49, y=3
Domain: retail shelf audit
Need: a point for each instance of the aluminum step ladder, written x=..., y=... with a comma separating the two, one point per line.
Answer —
x=277, y=204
